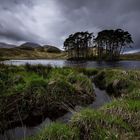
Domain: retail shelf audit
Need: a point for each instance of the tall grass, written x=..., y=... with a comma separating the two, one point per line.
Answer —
x=118, y=120
x=41, y=91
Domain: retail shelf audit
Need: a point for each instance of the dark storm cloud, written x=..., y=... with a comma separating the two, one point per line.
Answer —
x=51, y=21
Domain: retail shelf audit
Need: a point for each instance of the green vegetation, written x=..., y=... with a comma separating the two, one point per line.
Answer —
x=118, y=82
x=117, y=120
x=57, y=131
x=30, y=93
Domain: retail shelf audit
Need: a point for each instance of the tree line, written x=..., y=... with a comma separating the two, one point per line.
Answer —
x=109, y=44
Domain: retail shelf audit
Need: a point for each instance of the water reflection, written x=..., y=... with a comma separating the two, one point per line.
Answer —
x=19, y=133
x=83, y=64
x=76, y=64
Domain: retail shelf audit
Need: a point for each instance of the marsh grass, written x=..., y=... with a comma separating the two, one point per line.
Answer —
x=118, y=82
x=90, y=121
x=57, y=131
x=40, y=91
x=118, y=120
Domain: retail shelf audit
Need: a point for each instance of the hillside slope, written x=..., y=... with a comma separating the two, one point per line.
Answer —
x=29, y=51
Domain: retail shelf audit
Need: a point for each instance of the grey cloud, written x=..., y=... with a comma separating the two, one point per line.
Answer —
x=105, y=14
x=51, y=21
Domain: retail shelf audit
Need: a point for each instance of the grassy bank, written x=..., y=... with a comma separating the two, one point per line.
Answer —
x=29, y=94
x=118, y=120
x=44, y=53
x=131, y=57
x=17, y=53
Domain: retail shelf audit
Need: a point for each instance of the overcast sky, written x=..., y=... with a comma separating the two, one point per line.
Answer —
x=51, y=21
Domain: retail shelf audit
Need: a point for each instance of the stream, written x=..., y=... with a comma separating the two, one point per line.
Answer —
x=19, y=133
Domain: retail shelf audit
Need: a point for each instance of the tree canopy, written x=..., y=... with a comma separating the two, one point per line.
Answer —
x=108, y=43
x=113, y=42
x=77, y=44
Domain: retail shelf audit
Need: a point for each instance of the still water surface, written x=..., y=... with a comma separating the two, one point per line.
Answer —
x=83, y=64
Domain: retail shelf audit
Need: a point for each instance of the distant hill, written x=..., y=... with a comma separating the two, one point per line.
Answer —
x=51, y=49
x=5, y=45
x=37, y=47
x=31, y=51
x=131, y=56
x=29, y=46
x=136, y=53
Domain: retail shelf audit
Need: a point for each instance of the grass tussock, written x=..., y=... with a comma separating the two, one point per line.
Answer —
x=117, y=120
x=34, y=91
x=31, y=53
x=97, y=125
x=57, y=131
x=37, y=92
x=118, y=82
